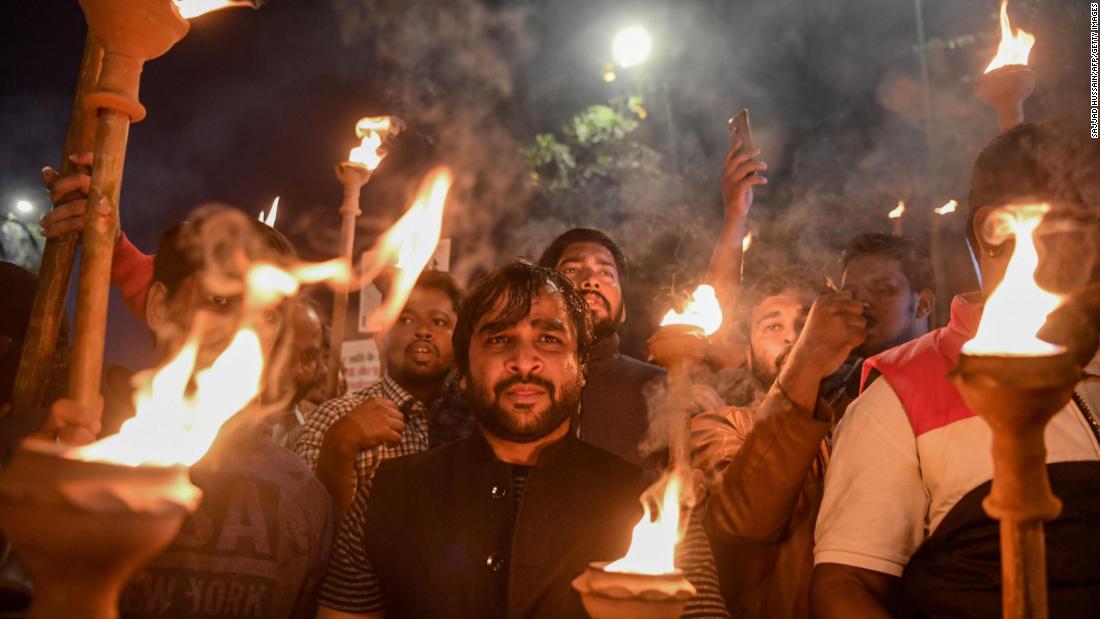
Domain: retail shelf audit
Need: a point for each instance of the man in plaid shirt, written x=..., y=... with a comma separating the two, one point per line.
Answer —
x=346, y=439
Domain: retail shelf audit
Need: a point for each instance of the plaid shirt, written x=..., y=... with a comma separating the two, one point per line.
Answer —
x=414, y=440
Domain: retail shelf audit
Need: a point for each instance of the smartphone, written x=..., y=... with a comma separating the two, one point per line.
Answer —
x=740, y=128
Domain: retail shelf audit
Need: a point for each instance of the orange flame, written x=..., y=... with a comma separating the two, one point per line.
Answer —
x=269, y=219
x=1015, y=45
x=195, y=8
x=898, y=211
x=653, y=542
x=373, y=130
x=1018, y=307
x=408, y=245
x=703, y=311
x=746, y=243
x=946, y=209
x=175, y=425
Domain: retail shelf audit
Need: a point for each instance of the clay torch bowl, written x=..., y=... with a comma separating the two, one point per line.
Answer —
x=83, y=528
x=672, y=343
x=621, y=595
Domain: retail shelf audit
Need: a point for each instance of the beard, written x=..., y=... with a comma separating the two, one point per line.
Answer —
x=487, y=410
x=765, y=374
x=604, y=326
x=408, y=372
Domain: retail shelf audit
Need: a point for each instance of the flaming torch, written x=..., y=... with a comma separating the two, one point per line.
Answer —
x=896, y=216
x=677, y=345
x=1008, y=81
x=130, y=33
x=84, y=519
x=354, y=174
x=1017, y=382
x=646, y=582
x=269, y=218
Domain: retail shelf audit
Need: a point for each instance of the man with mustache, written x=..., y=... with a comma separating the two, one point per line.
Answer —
x=499, y=524
x=763, y=463
x=613, y=405
x=346, y=438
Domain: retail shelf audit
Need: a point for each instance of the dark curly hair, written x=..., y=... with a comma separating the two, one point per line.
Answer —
x=516, y=286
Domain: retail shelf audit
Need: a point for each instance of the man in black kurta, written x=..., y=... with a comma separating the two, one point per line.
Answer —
x=500, y=523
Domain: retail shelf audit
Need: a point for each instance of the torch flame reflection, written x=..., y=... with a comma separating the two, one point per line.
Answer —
x=409, y=245
x=195, y=8
x=898, y=211
x=703, y=311
x=946, y=209
x=269, y=219
x=653, y=542
x=1015, y=45
x=1018, y=307
x=373, y=130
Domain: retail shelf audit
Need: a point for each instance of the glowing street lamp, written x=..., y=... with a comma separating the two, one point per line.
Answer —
x=24, y=206
x=631, y=46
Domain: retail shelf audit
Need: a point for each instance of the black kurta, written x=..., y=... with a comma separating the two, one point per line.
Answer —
x=445, y=539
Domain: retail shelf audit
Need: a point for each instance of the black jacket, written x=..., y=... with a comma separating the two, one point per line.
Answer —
x=614, y=411
x=445, y=539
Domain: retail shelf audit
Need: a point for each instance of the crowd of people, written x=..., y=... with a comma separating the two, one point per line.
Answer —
x=504, y=447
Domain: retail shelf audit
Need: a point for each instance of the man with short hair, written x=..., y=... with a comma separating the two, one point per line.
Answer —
x=259, y=540
x=764, y=462
x=498, y=524
x=901, y=526
x=893, y=275
x=346, y=438
x=614, y=411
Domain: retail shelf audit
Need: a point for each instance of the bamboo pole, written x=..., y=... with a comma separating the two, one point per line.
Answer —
x=130, y=33
x=678, y=348
x=48, y=310
x=98, y=240
x=353, y=177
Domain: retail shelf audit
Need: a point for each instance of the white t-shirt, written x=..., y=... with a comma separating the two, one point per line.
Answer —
x=886, y=490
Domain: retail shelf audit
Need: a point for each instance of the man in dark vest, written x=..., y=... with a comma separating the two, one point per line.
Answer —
x=613, y=404
x=500, y=523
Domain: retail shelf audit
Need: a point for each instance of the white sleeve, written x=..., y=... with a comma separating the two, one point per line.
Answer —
x=875, y=505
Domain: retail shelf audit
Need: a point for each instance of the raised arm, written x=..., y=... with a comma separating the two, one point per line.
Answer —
x=739, y=176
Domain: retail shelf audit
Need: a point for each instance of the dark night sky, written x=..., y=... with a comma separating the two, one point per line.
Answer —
x=253, y=104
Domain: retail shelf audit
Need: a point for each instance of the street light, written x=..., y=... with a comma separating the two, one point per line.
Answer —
x=24, y=206
x=631, y=46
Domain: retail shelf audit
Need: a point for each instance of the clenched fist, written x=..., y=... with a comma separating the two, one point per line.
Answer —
x=370, y=424
x=834, y=327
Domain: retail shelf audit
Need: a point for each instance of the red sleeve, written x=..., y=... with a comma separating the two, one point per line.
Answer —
x=132, y=272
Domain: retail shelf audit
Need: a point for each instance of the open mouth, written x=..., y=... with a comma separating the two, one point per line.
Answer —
x=595, y=301
x=422, y=351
